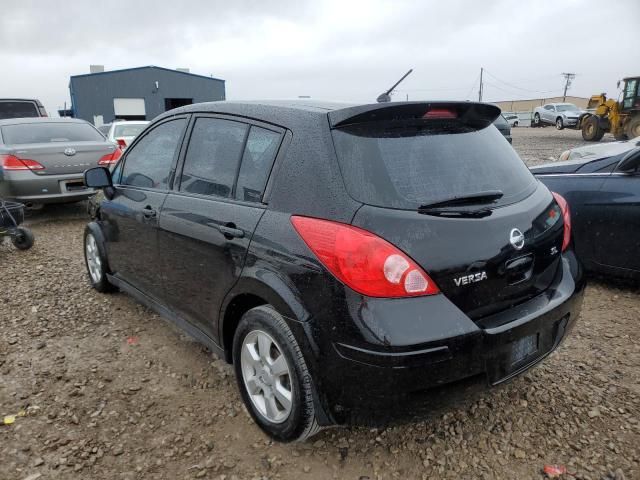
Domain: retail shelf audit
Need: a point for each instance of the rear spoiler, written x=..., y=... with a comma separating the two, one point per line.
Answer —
x=478, y=115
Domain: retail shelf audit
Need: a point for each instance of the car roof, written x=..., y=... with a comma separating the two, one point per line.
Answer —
x=19, y=100
x=290, y=111
x=26, y=120
x=128, y=122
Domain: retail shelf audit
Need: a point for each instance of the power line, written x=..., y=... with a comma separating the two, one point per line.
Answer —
x=515, y=86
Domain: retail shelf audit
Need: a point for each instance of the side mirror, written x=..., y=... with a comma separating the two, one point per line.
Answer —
x=630, y=162
x=98, y=177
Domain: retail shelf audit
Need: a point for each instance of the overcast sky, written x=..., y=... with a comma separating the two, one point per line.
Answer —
x=337, y=49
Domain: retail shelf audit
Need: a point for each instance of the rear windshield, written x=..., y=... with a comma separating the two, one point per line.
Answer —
x=49, y=133
x=128, y=130
x=18, y=110
x=417, y=165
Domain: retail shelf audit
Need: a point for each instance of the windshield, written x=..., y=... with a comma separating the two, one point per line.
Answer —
x=49, y=133
x=18, y=110
x=566, y=107
x=128, y=130
x=413, y=166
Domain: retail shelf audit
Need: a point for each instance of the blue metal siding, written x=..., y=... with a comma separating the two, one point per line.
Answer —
x=93, y=94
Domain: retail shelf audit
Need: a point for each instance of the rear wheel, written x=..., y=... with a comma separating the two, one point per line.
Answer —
x=22, y=239
x=273, y=377
x=633, y=127
x=591, y=130
x=536, y=120
x=559, y=123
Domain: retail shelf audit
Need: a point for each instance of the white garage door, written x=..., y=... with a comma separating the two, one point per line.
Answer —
x=128, y=107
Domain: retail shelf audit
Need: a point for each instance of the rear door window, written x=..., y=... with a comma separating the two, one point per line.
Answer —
x=18, y=110
x=410, y=166
x=213, y=157
x=257, y=160
x=148, y=162
x=25, y=133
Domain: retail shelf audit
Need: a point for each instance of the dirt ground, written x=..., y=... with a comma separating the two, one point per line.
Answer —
x=110, y=391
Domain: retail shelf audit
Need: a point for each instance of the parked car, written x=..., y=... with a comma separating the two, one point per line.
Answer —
x=123, y=132
x=603, y=193
x=340, y=256
x=503, y=126
x=42, y=159
x=512, y=119
x=559, y=114
x=594, y=151
x=21, y=108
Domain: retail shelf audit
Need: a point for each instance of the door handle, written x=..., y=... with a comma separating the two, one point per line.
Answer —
x=230, y=231
x=149, y=212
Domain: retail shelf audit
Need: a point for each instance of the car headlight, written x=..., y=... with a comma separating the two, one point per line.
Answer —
x=565, y=155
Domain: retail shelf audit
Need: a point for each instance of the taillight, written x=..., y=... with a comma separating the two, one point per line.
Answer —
x=363, y=261
x=121, y=142
x=566, y=218
x=111, y=158
x=11, y=162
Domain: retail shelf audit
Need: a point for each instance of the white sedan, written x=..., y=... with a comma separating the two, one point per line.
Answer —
x=121, y=132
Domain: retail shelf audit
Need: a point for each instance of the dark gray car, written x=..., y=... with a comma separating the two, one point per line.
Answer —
x=42, y=159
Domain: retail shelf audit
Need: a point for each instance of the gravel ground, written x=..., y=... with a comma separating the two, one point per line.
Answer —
x=108, y=390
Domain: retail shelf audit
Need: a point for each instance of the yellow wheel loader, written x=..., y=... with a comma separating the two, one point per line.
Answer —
x=621, y=118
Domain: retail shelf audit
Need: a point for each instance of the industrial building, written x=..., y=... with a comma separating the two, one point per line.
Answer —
x=139, y=93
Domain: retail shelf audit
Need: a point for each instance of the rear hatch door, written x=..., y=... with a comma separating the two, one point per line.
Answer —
x=406, y=166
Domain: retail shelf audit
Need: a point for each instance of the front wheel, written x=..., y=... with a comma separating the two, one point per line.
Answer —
x=591, y=130
x=515, y=124
x=559, y=123
x=22, y=239
x=536, y=120
x=96, y=261
x=273, y=377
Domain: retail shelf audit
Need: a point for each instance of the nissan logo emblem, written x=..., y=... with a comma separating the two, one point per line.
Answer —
x=69, y=152
x=516, y=238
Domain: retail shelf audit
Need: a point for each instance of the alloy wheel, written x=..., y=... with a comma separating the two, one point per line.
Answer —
x=94, y=264
x=267, y=376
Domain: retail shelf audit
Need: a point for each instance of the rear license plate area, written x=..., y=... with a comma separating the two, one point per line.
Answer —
x=522, y=348
x=73, y=186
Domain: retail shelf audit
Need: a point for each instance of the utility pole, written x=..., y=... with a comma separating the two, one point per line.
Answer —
x=480, y=89
x=568, y=77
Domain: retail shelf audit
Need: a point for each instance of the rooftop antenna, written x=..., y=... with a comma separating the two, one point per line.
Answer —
x=386, y=96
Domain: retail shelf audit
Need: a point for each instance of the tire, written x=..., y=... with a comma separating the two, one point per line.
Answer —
x=591, y=130
x=633, y=127
x=515, y=124
x=263, y=326
x=536, y=120
x=95, y=260
x=23, y=238
x=559, y=123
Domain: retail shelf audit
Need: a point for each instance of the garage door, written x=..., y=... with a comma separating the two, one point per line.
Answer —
x=129, y=107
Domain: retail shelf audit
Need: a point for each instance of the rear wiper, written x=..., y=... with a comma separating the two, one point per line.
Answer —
x=461, y=201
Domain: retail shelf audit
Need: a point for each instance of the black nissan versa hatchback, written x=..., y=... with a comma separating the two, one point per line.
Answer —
x=339, y=254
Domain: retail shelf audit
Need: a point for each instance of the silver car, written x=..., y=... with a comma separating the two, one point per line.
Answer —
x=559, y=114
x=42, y=160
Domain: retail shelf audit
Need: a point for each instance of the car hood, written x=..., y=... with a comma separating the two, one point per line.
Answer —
x=602, y=150
x=568, y=166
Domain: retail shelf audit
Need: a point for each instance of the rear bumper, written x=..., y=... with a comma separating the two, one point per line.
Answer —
x=451, y=347
x=27, y=187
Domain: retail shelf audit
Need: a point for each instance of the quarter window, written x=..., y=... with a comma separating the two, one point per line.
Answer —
x=261, y=149
x=148, y=162
x=213, y=156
